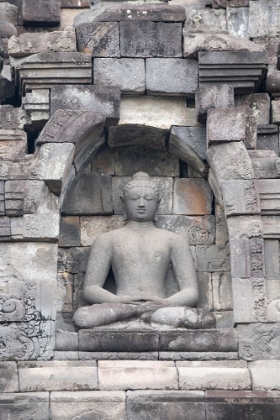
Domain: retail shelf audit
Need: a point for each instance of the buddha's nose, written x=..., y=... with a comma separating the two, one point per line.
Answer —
x=141, y=202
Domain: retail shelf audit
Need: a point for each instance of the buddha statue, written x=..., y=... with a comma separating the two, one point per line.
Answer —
x=140, y=255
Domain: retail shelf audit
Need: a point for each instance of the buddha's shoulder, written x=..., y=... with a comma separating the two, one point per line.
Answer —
x=171, y=237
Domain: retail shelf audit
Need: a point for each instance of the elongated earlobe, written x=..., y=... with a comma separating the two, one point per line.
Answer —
x=123, y=208
x=156, y=214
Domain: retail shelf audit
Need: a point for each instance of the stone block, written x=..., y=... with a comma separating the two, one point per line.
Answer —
x=9, y=13
x=208, y=97
x=129, y=160
x=226, y=364
x=238, y=20
x=257, y=105
x=222, y=291
x=271, y=227
x=5, y=228
x=189, y=145
x=84, y=355
x=43, y=227
x=2, y=198
x=12, y=118
x=224, y=319
x=151, y=12
x=57, y=41
x=224, y=340
x=268, y=138
x=275, y=109
x=102, y=404
x=141, y=374
x=200, y=355
x=259, y=341
x=15, y=406
x=65, y=286
x=99, y=340
x=99, y=99
x=104, y=162
x=13, y=144
x=230, y=125
x=58, y=378
x=156, y=112
x=69, y=232
x=263, y=19
x=192, y=196
x=248, y=300
x=271, y=255
x=214, y=378
x=272, y=290
x=42, y=12
x=88, y=194
x=92, y=227
x=126, y=73
x=7, y=89
x=230, y=161
x=198, y=230
x=150, y=39
x=205, y=300
x=212, y=258
x=101, y=39
x=166, y=76
x=65, y=355
x=165, y=186
x=240, y=197
x=9, y=377
x=265, y=374
x=221, y=226
x=149, y=405
x=137, y=135
x=268, y=190
x=7, y=30
x=266, y=167
x=75, y=4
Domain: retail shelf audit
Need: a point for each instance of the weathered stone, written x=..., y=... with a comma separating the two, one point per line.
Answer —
x=29, y=405
x=43, y=227
x=264, y=19
x=221, y=226
x=75, y=4
x=268, y=190
x=238, y=21
x=84, y=355
x=212, y=258
x=65, y=405
x=88, y=194
x=152, y=12
x=66, y=341
x=9, y=379
x=2, y=198
x=28, y=43
x=150, y=39
x=189, y=145
x=165, y=404
x=229, y=3
x=12, y=118
x=273, y=292
x=248, y=300
x=165, y=76
x=101, y=39
x=194, y=42
x=47, y=12
x=198, y=230
x=126, y=73
x=45, y=70
x=257, y=105
x=207, y=97
x=112, y=340
x=137, y=135
x=266, y=167
x=213, y=378
x=58, y=378
x=129, y=160
x=224, y=319
x=104, y=162
x=192, y=196
x=92, y=98
x=271, y=254
x=221, y=291
x=69, y=232
x=137, y=375
x=199, y=341
x=7, y=89
x=267, y=139
x=265, y=374
x=13, y=144
x=240, y=197
x=273, y=84
x=9, y=13
x=200, y=355
x=230, y=161
x=271, y=227
x=228, y=125
x=7, y=29
x=156, y=112
x=259, y=341
x=65, y=286
x=165, y=187
x=92, y=227
x=275, y=107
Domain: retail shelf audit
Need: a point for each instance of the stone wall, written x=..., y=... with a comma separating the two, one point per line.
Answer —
x=187, y=92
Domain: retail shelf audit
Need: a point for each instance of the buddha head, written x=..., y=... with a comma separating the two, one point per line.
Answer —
x=140, y=199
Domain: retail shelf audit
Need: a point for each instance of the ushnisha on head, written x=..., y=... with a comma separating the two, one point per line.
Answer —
x=140, y=199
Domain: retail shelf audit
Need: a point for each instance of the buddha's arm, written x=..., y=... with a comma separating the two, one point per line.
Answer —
x=185, y=275
x=97, y=270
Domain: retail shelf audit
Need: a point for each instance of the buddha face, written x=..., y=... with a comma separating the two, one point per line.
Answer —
x=141, y=204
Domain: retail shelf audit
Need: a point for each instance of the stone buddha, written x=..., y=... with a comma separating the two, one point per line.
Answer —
x=140, y=255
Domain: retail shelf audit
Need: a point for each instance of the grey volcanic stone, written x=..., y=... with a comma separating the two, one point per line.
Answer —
x=150, y=39
x=9, y=377
x=7, y=29
x=75, y=4
x=127, y=73
x=135, y=134
x=101, y=39
x=69, y=231
x=29, y=405
x=207, y=97
x=192, y=196
x=168, y=76
x=89, y=194
x=41, y=12
x=238, y=20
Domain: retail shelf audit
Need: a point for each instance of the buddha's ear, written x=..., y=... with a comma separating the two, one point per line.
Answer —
x=123, y=208
x=156, y=214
